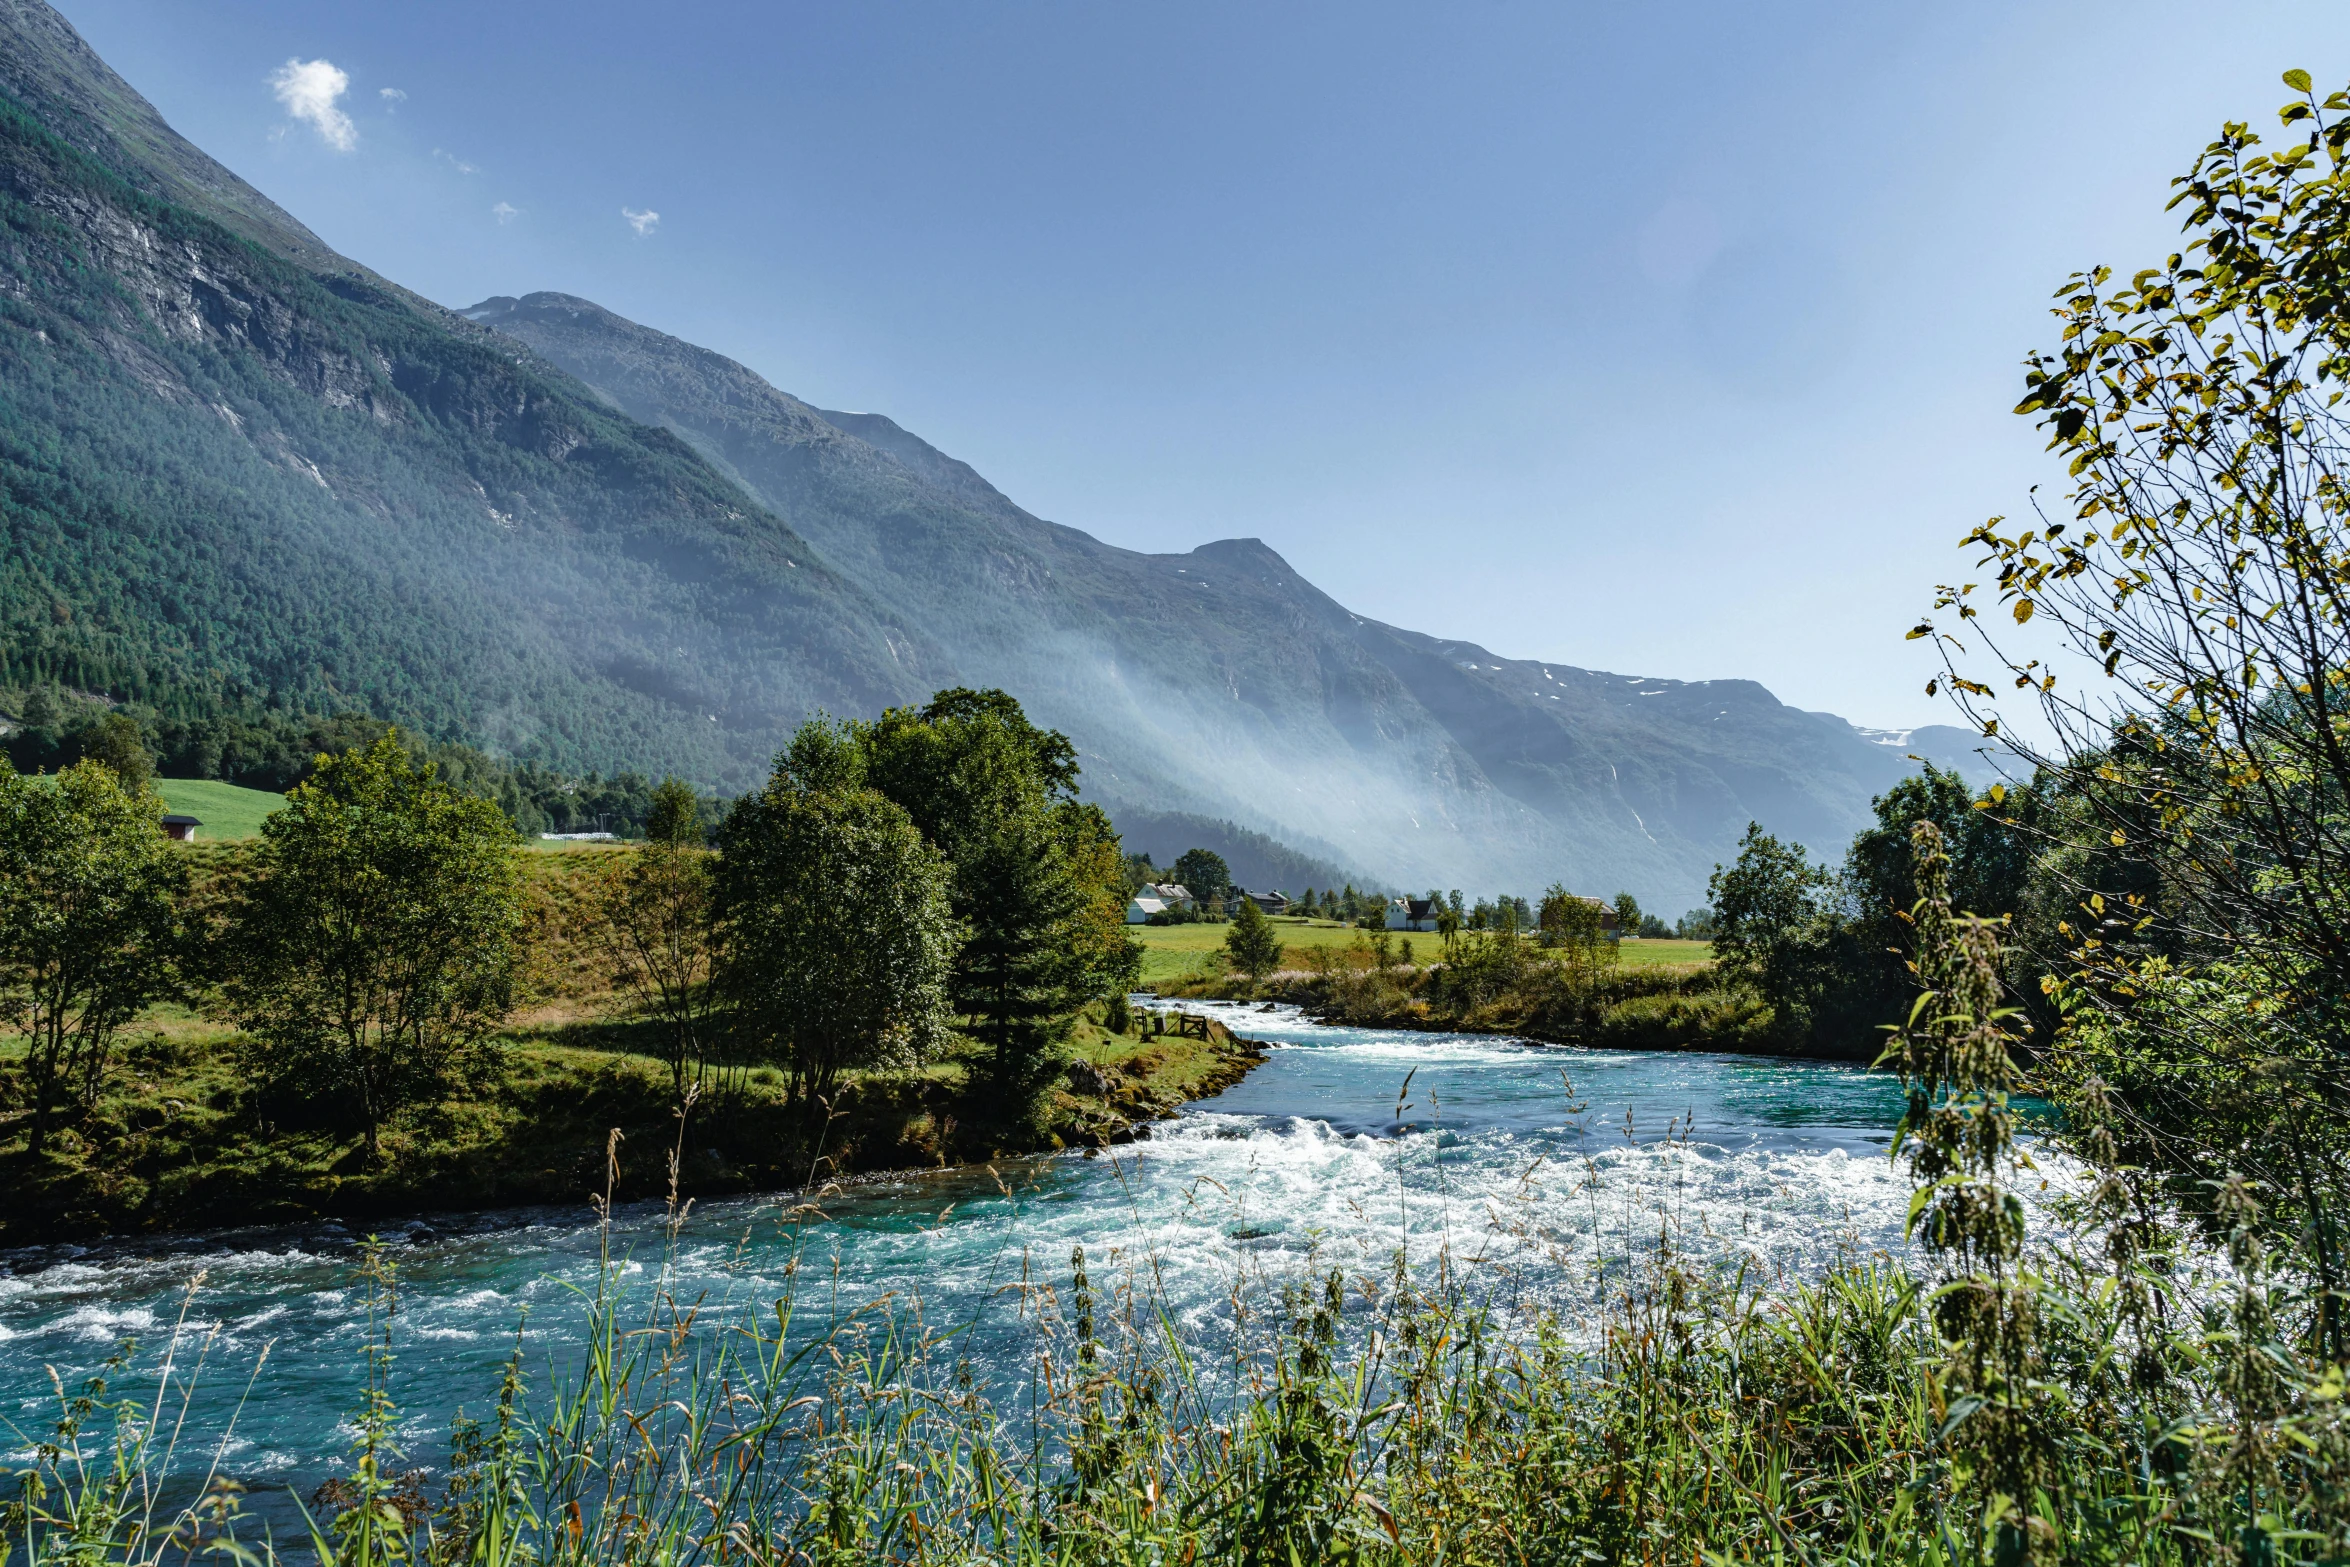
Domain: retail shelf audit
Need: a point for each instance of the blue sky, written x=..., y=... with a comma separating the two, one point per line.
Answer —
x=1670, y=340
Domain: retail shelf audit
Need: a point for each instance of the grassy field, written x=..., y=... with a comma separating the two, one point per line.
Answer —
x=230, y=813
x=1171, y=950
x=226, y=810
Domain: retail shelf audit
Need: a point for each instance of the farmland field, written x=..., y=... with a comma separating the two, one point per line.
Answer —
x=1171, y=950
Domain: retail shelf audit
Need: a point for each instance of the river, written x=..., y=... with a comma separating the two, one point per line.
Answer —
x=1517, y=1168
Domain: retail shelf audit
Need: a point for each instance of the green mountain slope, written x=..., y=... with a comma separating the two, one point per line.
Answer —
x=226, y=476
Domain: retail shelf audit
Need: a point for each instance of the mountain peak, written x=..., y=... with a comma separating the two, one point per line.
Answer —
x=502, y=307
x=1246, y=555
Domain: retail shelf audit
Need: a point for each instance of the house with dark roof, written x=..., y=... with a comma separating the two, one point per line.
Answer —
x=1411, y=914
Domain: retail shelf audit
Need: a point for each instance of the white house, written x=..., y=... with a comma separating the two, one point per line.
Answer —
x=1411, y=914
x=1142, y=906
x=1173, y=894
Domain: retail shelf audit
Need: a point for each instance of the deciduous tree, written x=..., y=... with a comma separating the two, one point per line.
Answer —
x=839, y=938
x=371, y=952
x=1627, y=914
x=1767, y=908
x=676, y=815
x=1038, y=885
x=88, y=886
x=656, y=928
x=1204, y=874
x=2188, y=606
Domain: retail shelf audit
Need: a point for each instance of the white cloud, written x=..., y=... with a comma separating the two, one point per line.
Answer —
x=643, y=222
x=505, y=213
x=391, y=95
x=309, y=90
x=455, y=162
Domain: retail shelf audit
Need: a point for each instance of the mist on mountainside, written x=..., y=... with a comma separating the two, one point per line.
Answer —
x=1219, y=682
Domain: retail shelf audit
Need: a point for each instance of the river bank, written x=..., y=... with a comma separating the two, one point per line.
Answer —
x=182, y=1141
x=1645, y=1007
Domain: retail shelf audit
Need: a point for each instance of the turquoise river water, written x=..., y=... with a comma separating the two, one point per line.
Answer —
x=1519, y=1167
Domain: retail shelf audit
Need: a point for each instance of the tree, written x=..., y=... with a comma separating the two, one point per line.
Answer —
x=1627, y=914
x=1098, y=929
x=88, y=889
x=676, y=814
x=655, y=926
x=1205, y=874
x=1021, y=974
x=839, y=938
x=1696, y=925
x=1773, y=926
x=1988, y=866
x=115, y=743
x=1251, y=944
x=1038, y=884
x=1575, y=928
x=371, y=952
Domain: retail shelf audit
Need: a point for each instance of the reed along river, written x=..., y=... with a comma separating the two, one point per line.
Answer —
x=1515, y=1169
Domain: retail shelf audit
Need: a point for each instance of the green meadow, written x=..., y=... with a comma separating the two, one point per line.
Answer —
x=230, y=813
x=1172, y=951
x=226, y=810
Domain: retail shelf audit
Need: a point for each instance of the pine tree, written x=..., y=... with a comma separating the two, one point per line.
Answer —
x=1251, y=944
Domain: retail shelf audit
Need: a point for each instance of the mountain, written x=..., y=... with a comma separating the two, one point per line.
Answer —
x=236, y=467
x=1221, y=683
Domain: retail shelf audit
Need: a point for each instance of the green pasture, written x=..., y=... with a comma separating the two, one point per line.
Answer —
x=1170, y=950
x=229, y=812
x=225, y=810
